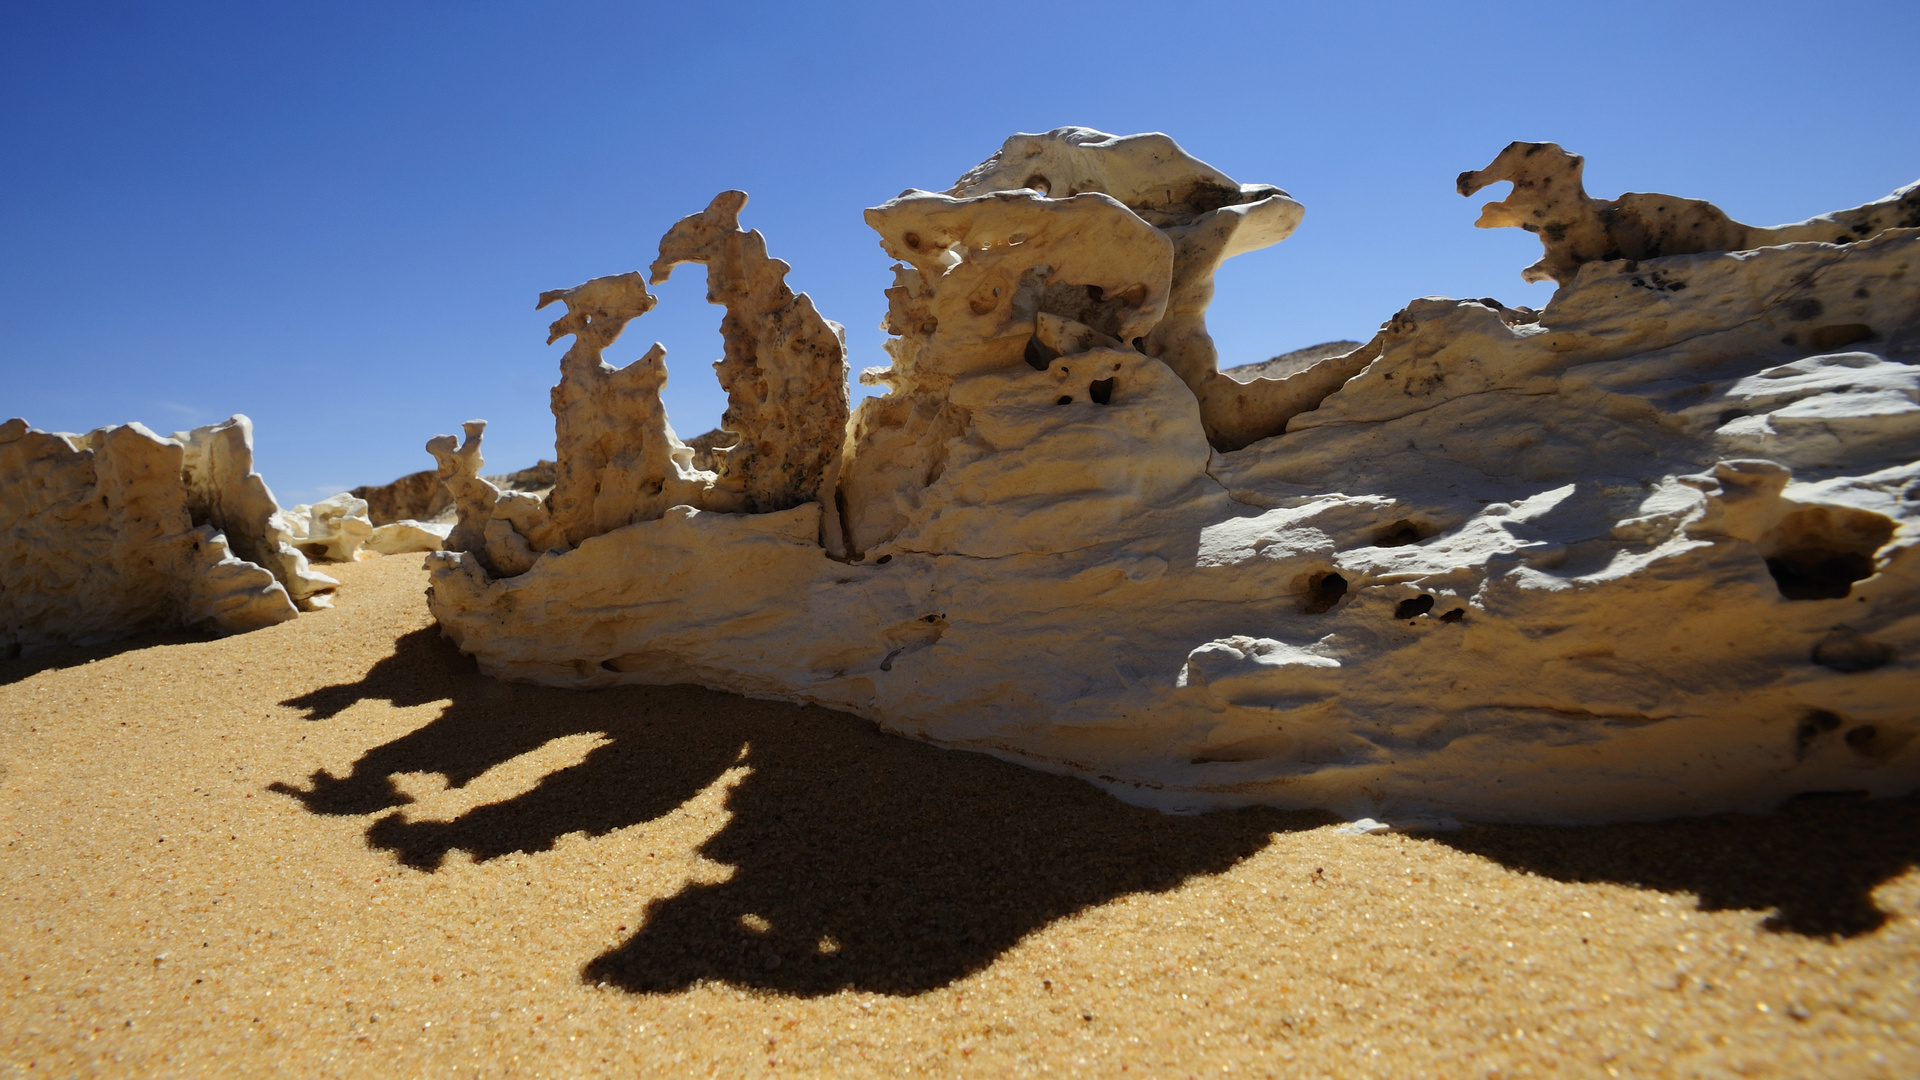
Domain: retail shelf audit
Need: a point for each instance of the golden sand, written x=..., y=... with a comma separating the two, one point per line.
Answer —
x=332, y=848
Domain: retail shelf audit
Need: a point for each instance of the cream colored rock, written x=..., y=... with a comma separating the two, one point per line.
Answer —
x=619, y=461
x=1648, y=551
x=1209, y=218
x=104, y=536
x=406, y=536
x=616, y=455
x=331, y=530
x=225, y=492
x=785, y=368
x=1550, y=199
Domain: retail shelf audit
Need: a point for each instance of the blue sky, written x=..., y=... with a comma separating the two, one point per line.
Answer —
x=336, y=217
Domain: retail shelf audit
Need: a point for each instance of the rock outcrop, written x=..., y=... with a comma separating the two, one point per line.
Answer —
x=619, y=461
x=331, y=530
x=1647, y=551
x=122, y=531
x=1550, y=199
x=416, y=496
x=785, y=368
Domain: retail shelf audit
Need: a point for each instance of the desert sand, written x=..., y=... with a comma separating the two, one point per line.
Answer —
x=331, y=847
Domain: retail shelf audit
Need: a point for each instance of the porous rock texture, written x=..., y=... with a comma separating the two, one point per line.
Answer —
x=122, y=531
x=333, y=529
x=1648, y=551
x=1550, y=199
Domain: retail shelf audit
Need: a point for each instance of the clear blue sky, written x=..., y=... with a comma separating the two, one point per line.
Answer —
x=336, y=217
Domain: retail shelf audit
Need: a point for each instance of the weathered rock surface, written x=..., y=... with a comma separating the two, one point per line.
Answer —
x=1290, y=363
x=407, y=536
x=225, y=492
x=331, y=530
x=418, y=496
x=421, y=496
x=1650, y=550
x=1208, y=217
x=619, y=461
x=1550, y=199
x=122, y=531
x=785, y=368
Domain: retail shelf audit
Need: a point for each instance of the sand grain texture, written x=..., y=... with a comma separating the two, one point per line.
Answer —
x=330, y=846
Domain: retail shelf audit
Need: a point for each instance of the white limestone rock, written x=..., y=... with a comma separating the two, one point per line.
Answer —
x=331, y=530
x=225, y=492
x=1647, y=551
x=107, y=535
x=407, y=535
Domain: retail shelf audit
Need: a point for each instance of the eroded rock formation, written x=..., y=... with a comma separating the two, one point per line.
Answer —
x=1550, y=199
x=785, y=368
x=619, y=461
x=1650, y=550
x=122, y=531
x=1209, y=218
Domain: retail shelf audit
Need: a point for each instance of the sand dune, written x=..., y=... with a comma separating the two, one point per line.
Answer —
x=332, y=847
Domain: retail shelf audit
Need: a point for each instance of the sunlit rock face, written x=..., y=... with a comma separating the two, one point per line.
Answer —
x=1647, y=551
x=122, y=531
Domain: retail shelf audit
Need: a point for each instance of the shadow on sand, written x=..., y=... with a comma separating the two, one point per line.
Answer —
x=886, y=865
x=15, y=669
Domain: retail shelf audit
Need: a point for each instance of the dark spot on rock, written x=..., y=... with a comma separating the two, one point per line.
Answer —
x=1808, y=308
x=1819, y=552
x=1038, y=354
x=1101, y=391
x=1727, y=416
x=1861, y=293
x=1455, y=615
x=1064, y=399
x=1401, y=533
x=1323, y=591
x=1816, y=723
x=1875, y=742
x=1413, y=607
x=883, y=560
x=1556, y=232
x=1839, y=334
x=1847, y=650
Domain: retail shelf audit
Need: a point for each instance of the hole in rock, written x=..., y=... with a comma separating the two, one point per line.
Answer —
x=1819, y=552
x=1038, y=354
x=1455, y=615
x=1802, y=310
x=1847, y=650
x=883, y=560
x=1413, y=607
x=1038, y=183
x=1816, y=723
x=1833, y=337
x=1875, y=742
x=1403, y=532
x=1065, y=399
x=1101, y=391
x=1323, y=591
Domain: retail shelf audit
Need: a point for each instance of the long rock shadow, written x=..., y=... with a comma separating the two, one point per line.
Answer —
x=1815, y=862
x=876, y=863
x=17, y=668
x=862, y=860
